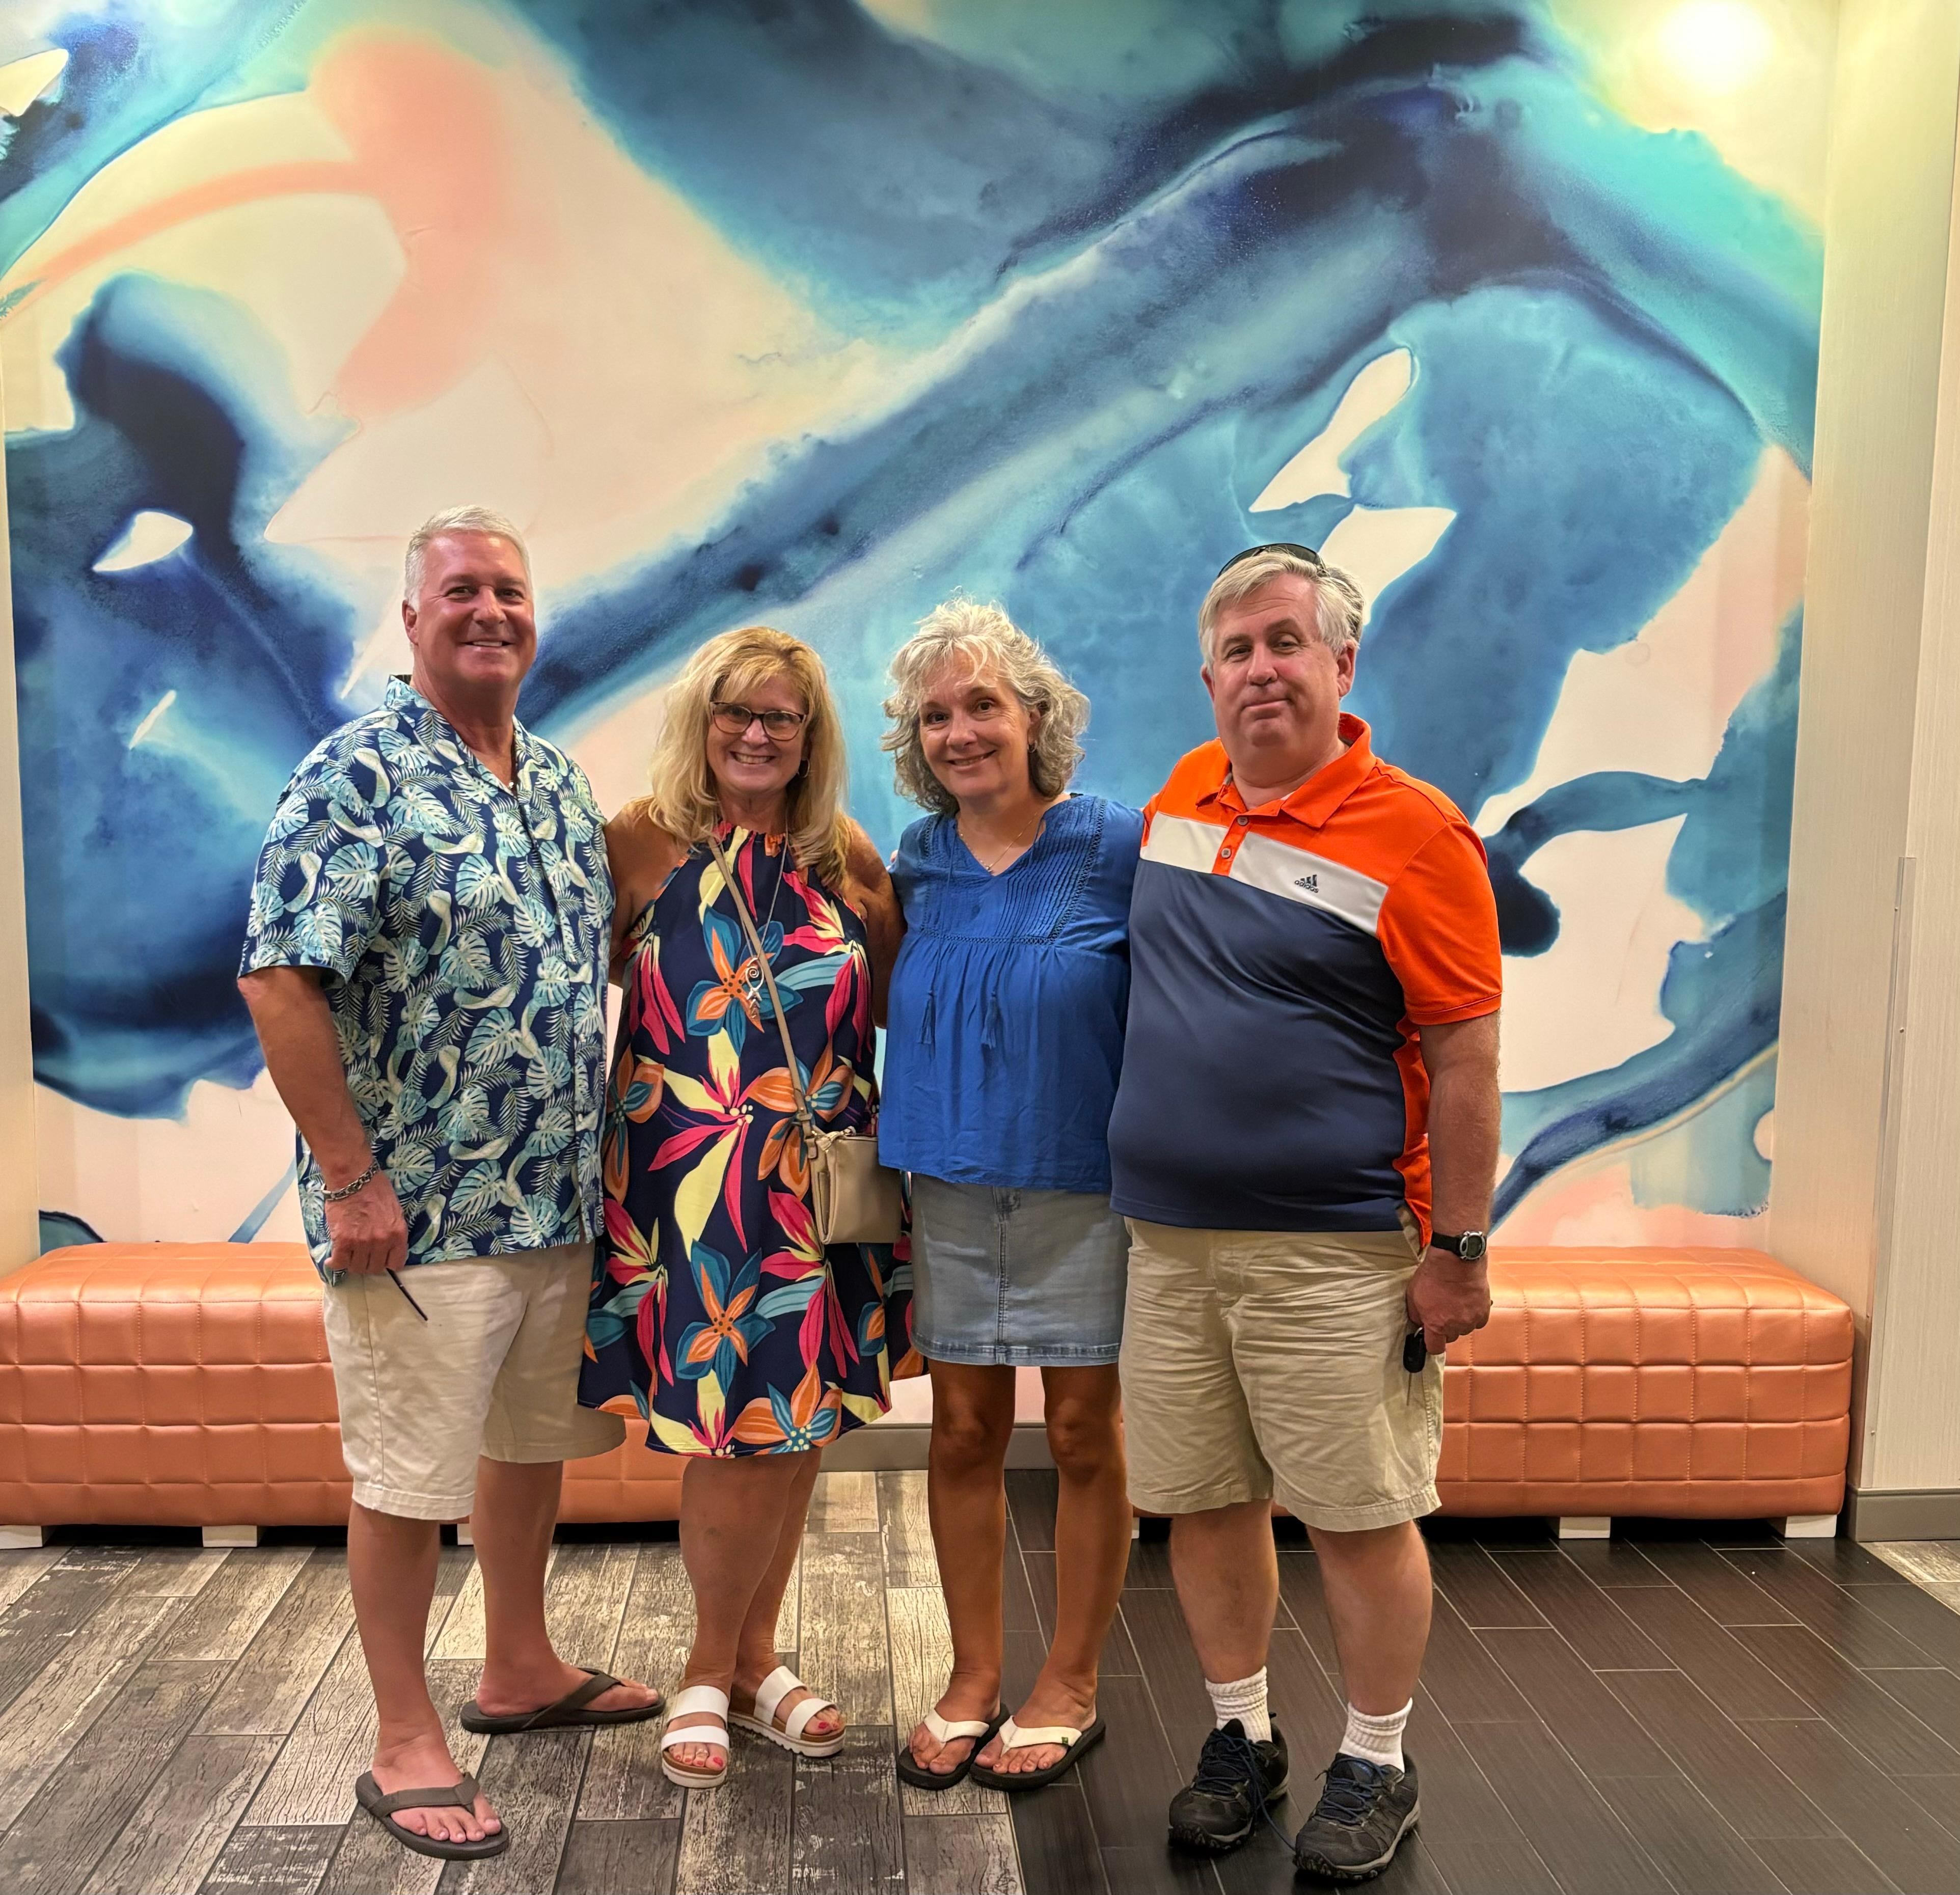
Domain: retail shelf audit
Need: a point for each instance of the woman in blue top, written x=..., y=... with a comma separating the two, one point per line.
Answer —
x=1003, y=1048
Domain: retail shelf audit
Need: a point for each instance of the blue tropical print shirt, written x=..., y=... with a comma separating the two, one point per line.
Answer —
x=465, y=929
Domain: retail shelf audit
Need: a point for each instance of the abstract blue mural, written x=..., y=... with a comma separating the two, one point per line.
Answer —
x=1110, y=277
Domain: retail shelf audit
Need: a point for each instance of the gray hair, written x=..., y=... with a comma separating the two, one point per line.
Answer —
x=989, y=640
x=1337, y=602
x=456, y=519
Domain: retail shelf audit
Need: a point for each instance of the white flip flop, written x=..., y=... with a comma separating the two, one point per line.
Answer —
x=1071, y=1741
x=769, y=1695
x=978, y=1731
x=696, y=1697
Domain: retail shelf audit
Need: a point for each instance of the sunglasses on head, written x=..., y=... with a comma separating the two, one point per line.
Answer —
x=1307, y=553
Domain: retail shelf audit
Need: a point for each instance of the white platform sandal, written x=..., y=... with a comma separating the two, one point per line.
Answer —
x=694, y=1698
x=769, y=1695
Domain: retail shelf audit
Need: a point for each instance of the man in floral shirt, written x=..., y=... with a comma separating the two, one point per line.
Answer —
x=425, y=964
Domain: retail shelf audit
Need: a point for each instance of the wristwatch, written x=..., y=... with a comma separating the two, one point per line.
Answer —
x=1469, y=1247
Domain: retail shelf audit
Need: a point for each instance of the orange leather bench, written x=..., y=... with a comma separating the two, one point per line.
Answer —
x=188, y=1384
x=1680, y=1384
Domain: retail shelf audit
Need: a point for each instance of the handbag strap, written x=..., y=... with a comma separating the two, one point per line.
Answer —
x=722, y=863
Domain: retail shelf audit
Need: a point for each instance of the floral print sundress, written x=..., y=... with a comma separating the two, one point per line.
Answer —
x=716, y=1315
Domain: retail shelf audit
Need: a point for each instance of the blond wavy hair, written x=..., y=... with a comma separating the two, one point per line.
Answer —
x=984, y=638
x=681, y=798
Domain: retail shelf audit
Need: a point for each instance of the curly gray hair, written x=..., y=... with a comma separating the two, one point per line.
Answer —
x=989, y=643
x=1337, y=602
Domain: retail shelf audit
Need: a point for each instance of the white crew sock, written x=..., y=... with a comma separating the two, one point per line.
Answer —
x=1379, y=1739
x=1244, y=1699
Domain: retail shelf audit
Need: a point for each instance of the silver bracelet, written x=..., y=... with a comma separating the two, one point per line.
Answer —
x=361, y=1183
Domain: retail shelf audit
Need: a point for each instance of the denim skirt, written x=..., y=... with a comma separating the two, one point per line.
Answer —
x=1030, y=1279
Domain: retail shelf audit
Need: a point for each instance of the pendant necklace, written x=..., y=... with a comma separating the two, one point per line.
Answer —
x=1015, y=845
x=761, y=849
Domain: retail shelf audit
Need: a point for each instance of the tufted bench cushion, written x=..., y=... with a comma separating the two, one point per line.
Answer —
x=1708, y=1384
x=188, y=1384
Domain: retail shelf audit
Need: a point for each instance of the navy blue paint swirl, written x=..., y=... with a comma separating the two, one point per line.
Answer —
x=1136, y=301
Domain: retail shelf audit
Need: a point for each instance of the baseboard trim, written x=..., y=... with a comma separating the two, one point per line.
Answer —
x=902, y=1444
x=1904, y=1513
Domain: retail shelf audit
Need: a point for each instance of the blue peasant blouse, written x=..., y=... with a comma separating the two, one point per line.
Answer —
x=1003, y=1039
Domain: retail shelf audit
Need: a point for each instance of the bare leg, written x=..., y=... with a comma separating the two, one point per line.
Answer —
x=1378, y=1602
x=1092, y=1554
x=1228, y=1582
x=391, y=1572
x=972, y=1421
x=516, y=1510
x=731, y=1527
x=756, y=1655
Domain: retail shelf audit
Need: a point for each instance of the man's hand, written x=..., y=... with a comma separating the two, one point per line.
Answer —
x=369, y=1232
x=1448, y=1297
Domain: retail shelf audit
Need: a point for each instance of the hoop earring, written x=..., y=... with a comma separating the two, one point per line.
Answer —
x=803, y=771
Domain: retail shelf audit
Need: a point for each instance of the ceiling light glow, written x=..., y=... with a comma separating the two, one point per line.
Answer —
x=1715, y=45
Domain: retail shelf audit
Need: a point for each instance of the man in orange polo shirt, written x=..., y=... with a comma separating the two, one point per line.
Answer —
x=1304, y=1142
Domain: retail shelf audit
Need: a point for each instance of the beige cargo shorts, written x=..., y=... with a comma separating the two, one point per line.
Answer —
x=494, y=1371
x=1267, y=1365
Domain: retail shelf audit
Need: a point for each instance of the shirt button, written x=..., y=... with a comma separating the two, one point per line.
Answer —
x=1242, y=822
x=1225, y=853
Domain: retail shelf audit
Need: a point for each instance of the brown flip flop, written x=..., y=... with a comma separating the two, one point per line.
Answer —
x=463, y=1795
x=569, y=1712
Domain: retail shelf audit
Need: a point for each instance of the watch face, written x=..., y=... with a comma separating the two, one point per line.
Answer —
x=1472, y=1246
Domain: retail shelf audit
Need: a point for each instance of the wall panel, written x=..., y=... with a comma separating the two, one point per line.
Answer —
x=1512, y=308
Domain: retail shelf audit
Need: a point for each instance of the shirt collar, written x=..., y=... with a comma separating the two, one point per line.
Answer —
x=400, y=695
x=1317, y=799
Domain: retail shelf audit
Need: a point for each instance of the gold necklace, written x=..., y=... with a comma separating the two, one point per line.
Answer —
x=1016, y=846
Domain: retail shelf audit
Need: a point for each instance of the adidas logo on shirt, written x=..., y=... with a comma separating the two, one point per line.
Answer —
x=1309, y=882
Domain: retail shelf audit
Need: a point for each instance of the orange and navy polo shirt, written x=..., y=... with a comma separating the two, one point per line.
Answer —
x=1282, y=959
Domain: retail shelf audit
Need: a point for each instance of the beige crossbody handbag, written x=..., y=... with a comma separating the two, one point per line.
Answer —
x=853, y=1198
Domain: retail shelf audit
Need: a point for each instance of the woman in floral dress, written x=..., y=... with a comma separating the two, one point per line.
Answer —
x=717, y=1316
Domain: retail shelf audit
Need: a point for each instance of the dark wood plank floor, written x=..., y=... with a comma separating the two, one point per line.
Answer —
x=1714, y=1713
x=1710, y=1713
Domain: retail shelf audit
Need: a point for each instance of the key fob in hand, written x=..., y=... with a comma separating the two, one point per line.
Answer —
x=1415, y=1351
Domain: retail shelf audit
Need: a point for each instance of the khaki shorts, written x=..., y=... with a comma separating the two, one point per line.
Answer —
x=1261, y=1365
x=493, y=1372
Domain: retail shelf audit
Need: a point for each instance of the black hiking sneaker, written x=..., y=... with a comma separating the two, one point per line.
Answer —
x=1365, y=1810
x=1236, y=1778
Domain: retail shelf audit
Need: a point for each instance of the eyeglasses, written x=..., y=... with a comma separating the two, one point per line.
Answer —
x=1307, y=553
x=733, y=719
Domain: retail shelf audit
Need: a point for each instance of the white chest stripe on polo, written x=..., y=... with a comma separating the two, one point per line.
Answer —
x=1273, y=868
x=1313, y=880
x=1180, y=843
